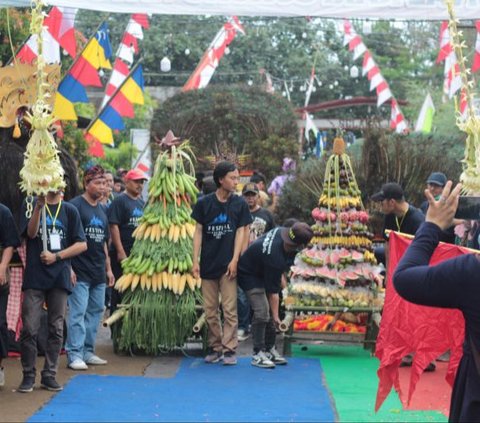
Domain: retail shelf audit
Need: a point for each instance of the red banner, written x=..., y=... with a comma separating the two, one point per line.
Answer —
x=408, y=328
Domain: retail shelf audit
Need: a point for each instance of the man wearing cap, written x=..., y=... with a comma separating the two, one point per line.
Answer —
x=260, y=271
x=124, y=214
x=262, y=223
x=400, y=217
x=222, y=220
x=435, y=184
x=92, y=269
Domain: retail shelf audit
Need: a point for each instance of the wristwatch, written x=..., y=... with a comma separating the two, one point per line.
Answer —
x=57, y=257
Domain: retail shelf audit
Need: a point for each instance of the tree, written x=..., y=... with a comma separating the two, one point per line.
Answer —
x=14, y=23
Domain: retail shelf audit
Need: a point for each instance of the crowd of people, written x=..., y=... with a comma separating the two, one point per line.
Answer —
x=239, y=253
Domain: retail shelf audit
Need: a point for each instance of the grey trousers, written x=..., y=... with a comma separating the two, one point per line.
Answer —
x=33, y=299
x=263, y=328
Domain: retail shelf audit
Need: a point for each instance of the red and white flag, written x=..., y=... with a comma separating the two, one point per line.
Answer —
x=445, y=44
x=134, y=32
x=453, y=79
x=397, y=120
x=383, y=93
x=206, y=68
x=375, y=77
x=354, y=41
x=308, y=94
x=463, y=106
x=58, y=32
x=476, y=57
x=368, y=63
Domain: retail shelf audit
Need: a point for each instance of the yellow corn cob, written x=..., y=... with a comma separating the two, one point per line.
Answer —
x=163, y=233
x=143, y=281
x=135, y=281
x=147, y=233
x=183, y=231
x=176, y=233
x=148, y=282
x=170, y=232
x=182, y=283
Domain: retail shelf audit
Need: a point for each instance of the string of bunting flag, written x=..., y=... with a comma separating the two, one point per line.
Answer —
x=119, y=106
x=377, y=81
x=83, y=73
x=125, y=53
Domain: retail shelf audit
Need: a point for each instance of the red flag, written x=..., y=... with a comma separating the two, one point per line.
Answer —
x=95, y=147
x=405, y=328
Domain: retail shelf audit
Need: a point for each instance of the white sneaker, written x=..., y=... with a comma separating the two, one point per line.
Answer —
x=95, y=360
x=261, y=360
x=242, y=335
x=78, y=364
x=2, y=377
x=275, y=356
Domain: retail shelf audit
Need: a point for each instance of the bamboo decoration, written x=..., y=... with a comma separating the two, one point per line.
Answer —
x=42, y=171
x=470, y=176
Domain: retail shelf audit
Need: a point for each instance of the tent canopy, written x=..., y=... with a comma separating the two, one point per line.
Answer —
x=375, y=9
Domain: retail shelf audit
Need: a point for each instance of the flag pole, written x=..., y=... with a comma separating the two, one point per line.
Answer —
x=134, y=68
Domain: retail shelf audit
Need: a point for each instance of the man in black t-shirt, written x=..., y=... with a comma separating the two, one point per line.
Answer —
x=124, y=215
x=47, y=279
x=262, y=223
x=400, y=217
x=222, y=221
x=260, y=271
x=8, y=241
x=92, y=269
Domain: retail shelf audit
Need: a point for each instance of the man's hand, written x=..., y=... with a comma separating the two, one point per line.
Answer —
x=232, y=269
x=73, y=277
x=3, y=275
x=196, y=270
x=121, y=255
x=110, y=278
x=48, y=257
x=276, y=321
x=40, y=201
x=441, y=211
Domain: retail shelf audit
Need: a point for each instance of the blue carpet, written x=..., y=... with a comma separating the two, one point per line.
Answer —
x=199, y=392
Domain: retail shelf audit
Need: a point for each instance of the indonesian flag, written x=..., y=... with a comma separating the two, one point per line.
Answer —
x=445, y=45
x=383, y=93
x=58, y=32
x=375, y=77
x=463, y=107
x=206, y=68
x=453, y=79
x=397, y=120
x=476, y=58
x=405, y=328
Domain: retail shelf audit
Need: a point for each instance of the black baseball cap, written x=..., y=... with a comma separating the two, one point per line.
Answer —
x=250, y=188
x=298, y=234
x=437, y=178
x=389, y=191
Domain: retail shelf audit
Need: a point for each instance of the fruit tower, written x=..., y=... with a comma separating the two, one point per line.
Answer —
x=339, y=267
x=159, y=292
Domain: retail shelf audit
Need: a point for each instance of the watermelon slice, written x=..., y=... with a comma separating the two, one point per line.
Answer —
x=356, y=256
x=352, y=276
x=334, y=257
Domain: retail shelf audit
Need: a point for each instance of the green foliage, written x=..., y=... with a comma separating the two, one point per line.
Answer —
x=216, y=115
x=19, y=20
x=267, y=154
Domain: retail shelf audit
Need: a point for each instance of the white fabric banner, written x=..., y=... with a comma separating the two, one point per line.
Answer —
x=380, y=9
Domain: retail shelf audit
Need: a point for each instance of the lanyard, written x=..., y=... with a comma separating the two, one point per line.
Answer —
x=399, y=225
x=54, y=219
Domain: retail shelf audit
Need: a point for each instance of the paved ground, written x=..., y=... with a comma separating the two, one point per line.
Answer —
x=15, y=406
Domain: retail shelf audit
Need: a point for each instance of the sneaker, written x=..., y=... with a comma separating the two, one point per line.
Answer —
x=407, y=361
x=95, y=360
x=78, y=364
x=229, y=359
x=2, y=377
x=260, y=359
x=276, y=357
x=445, y=357
x=26, y=385
x=213, y=357
x=242, y=335
x=50, y=384
x=431, y=367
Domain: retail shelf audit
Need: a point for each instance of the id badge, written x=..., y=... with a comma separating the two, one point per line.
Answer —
x=55, y=241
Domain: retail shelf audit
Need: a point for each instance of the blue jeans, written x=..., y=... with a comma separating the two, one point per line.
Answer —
x=85, y=305
x=243, y=310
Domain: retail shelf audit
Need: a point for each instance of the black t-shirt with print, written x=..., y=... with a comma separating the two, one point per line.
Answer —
x=8, y=230
x=90, y=265
x=264, y=261
x=407, y=224
x=262, y=223
x=126, y=213
x=69, y=227
x=220, y=221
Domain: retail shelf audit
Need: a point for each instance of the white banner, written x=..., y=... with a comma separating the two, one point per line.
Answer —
x=349, y=9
